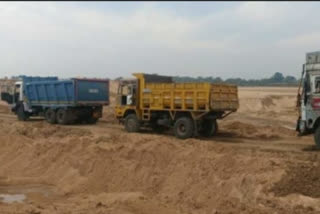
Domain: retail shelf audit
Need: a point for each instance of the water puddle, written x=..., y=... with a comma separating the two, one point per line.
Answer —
x=20, y=193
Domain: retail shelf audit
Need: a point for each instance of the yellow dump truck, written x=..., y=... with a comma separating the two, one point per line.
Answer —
x=191, y=109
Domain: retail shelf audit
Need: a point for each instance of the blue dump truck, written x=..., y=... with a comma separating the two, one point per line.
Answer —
x=59, y=101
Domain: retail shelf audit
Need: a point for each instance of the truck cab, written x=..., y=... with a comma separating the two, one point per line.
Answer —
x=127, y=92
x=126, y=97
x=309, y=98
x=18, y=92
x=16, y=96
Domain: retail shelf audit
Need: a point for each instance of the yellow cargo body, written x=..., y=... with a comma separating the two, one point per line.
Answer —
x=188, y=96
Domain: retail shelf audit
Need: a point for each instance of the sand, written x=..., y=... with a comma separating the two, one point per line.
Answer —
x=256, y=164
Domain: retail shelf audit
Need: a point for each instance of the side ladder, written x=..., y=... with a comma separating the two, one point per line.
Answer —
x=146, y=114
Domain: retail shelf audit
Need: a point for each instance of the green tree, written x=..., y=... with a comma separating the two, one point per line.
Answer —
x=277, y=77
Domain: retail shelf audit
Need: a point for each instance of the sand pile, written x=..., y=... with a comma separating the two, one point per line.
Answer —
x=4, y=108
x=300, y=179
x=269, y=103
x=128, y=167
x=125, y=173
x=263, y=102
x=39, y=129
x=102, y=169
x=108, y=111
x=247, y=130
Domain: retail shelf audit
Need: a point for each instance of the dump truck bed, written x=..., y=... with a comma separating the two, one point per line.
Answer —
x=190, y=96
x=73, y=92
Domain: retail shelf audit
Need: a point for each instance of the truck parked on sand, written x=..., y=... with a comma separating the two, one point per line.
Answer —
x=189, y=108
x=308, y=101
x=58, y=101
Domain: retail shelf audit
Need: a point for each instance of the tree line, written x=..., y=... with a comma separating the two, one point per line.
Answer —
x=278, y=79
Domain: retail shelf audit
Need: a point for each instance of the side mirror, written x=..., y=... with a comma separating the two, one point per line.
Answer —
x=7, y=97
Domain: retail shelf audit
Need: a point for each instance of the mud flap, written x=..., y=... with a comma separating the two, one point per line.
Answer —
x=196, y=127
x=297, y=126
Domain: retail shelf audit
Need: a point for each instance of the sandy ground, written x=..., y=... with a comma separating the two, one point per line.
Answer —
x=256, y=164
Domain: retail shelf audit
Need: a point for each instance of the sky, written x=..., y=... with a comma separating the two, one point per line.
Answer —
x=249, y=40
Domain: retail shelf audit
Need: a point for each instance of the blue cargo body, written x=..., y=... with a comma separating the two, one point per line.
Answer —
x=73, y=92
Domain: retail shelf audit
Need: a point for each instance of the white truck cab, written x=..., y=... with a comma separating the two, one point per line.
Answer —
x=309, y=98
x=18, y=92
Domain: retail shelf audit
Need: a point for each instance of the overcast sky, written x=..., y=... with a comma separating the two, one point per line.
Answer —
x=112, y=39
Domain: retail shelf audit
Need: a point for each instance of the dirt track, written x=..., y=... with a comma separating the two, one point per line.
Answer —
x=256, y=164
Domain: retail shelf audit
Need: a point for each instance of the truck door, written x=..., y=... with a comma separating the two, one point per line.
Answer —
x=304, y=96
x=131, y=98
x=127, y=94
x=315, y=95
x=16, y=93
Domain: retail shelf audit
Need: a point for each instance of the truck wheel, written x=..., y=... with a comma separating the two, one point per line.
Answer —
x=62, y=116
x=209, y=128
x=21, y=114
x=183, y=128
x=50, y=116
x=317, y=137
x=132, y=123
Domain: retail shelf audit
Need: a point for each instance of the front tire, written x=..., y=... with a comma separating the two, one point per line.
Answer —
x=21, y=114
x=184, y=128
x=317, y=137
x=132, y=123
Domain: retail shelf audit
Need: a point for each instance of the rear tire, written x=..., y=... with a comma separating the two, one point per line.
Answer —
x=62, y=116
x=21, y=114
x=208, y=128
x=317, y=137
x=50, y=116
x=184, y=128
x=132, y=123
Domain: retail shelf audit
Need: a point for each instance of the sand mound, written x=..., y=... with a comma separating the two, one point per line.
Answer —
x=267, y=103
x=4, y=108
x=136, y=173
x=108, y=111
x=40, y=130
x=103, y=169
x=300, y=179
x=261, y=132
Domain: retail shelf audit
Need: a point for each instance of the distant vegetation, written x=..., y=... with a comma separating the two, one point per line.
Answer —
x=278, y=79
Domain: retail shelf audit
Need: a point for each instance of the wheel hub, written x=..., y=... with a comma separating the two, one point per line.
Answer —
x=182, y=128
